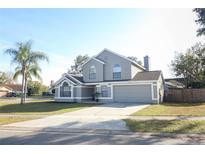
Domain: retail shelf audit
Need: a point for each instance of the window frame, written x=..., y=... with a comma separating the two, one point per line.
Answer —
x=117, y=71
x=92, y=72
x=63, y=90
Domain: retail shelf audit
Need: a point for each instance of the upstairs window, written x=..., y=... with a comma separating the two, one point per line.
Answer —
x=116, y=72
x=92, y=73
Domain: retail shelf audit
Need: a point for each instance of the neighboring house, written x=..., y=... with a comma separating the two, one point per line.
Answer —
x=8, y=88
x=173, y=84
x=115, y=77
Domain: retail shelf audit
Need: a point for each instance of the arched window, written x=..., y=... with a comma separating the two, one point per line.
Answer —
x=116, y=72
x=92, y=73
x=65, y=90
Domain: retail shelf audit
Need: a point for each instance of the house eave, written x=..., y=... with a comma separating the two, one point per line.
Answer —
x=136, y=64
x=93, y=58
x=121, y=82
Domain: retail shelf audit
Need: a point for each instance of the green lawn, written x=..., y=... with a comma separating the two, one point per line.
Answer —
x=11, y=111
x=41, y=107
x=173, y=109
x=167, y=126
x=7, y=120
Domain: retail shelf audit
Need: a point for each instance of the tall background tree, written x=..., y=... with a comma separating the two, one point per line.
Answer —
x=191, y=66
x=78, y=62
x=201, y=20
x=135, y=59
x=27, y=63
x=6, y=77
x=36, y=88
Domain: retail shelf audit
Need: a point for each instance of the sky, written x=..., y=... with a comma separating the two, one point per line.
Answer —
x=65, y=33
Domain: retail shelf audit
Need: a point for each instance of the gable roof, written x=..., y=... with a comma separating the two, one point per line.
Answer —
x=74, y=79
x=147, y=75
x=174, y=84
x=93, y=58
x=5, y=89
x=133, y=62
x=79, y=78
x=13, y=87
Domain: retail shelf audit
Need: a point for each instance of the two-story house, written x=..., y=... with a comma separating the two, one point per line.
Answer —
x=115, y=78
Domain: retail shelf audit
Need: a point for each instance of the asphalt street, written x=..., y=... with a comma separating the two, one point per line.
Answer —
x=23, y=136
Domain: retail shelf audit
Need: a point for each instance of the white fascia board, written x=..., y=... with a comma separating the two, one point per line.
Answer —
x=74, y=78
x=98, y=60
x=93, y=58
x=121, y=57
x=60, y=80
x=84, y=86
x=64, y=78
x=122, y=82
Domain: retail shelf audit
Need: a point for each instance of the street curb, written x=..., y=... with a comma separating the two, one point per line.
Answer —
x=101, y=131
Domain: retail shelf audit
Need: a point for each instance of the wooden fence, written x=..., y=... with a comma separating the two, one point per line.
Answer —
x=185, y=95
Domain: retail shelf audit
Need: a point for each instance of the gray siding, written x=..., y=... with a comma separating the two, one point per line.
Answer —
x=87, y=92
x=112, y=59
x=133, y=93
x=83, y=91
x=135, y=70
x=99, y=71
x=56, y=92
x=76, y=92
x=155, y=91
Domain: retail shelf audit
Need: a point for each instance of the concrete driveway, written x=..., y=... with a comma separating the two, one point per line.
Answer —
x=104, y=117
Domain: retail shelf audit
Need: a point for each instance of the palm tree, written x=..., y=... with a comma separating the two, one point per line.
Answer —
x=27, y=63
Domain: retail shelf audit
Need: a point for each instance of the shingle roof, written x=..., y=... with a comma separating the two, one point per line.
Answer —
x=147, y=75
x=79, y=78
x=174, y=83
x=14, y=87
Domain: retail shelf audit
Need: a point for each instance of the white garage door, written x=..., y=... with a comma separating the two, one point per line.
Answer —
x=132, y=93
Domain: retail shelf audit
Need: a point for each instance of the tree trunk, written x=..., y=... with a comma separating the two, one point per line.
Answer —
x=23, y=87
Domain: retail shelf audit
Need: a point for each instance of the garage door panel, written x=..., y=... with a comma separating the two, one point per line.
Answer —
x=133, y=93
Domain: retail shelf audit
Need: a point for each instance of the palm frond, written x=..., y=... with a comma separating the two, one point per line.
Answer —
x=34, y=70
x=35, y=56
x=17, y=74
x=11, y=51
x=27, y=60
x=18, y=68
x=35, y=74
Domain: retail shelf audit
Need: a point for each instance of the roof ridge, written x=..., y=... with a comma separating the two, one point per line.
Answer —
x=105, y=49
x=124, y=57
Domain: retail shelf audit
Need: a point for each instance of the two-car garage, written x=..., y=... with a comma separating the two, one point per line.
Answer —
x=133, y=93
